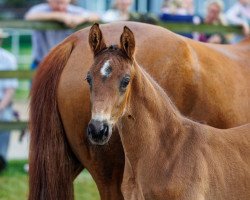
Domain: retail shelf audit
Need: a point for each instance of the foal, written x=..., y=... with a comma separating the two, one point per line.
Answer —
x=167, y=156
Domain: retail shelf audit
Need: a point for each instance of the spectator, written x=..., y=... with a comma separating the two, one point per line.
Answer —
x=214, y=16
x=214, y=12
x=55, y=10
x=7, y=90
x=119, y=12
x=239, y=14
x=178, y=11
x=178, y=7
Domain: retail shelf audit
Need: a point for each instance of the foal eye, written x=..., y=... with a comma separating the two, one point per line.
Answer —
x=124, y=83
x=89, y=79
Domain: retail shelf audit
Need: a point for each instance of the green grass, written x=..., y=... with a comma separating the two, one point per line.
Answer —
x=14, y=184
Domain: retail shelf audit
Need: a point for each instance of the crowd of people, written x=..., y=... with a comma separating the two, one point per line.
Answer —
x=238, y=14
x=72, y=15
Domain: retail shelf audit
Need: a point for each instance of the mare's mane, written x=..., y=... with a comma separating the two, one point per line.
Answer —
x=158, y=88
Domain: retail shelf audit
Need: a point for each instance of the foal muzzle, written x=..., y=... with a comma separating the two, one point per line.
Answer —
x=98, y=132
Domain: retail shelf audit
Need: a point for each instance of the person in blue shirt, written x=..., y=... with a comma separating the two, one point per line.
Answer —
x=7, y=90
x=55, y=10
x=120, y=11
x=239, y=14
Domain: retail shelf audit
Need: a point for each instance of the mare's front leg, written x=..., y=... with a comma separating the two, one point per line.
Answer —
x=107, y=167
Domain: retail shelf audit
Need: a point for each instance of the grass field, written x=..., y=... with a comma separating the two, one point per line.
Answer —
x=14, y=184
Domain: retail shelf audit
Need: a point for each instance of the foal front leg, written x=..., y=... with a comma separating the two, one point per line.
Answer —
x=130, y=188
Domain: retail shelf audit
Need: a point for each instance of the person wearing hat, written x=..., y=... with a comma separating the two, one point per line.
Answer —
x=55, y=10
x=7, y=90
x=214, y=16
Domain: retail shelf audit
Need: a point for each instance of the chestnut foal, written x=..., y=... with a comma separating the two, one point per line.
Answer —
x=167, y=156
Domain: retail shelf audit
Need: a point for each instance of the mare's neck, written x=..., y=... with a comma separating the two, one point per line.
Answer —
x=151, y=120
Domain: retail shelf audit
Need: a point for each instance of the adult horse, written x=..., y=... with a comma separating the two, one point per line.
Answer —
x=209, y=83
x=167, y=156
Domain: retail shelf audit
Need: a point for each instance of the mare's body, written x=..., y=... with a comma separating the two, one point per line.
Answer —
x=209, y=83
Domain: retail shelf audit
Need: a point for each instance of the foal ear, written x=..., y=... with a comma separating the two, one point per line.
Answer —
x=96, y=41
x=127, y=41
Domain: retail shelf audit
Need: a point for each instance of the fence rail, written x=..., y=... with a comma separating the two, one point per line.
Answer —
x=8, y=126
x=176, y=27
x=19, y=74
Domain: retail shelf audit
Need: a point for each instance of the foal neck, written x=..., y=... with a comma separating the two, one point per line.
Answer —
x=150, y=120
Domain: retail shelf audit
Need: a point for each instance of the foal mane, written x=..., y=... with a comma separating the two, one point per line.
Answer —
x=160, y=91
x=51, y=160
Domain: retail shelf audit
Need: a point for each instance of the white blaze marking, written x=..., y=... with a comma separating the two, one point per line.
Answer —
x=104, y=70
x=101, y=117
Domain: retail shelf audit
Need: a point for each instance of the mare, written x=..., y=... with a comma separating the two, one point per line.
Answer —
x=167, y=156
x=208, y=83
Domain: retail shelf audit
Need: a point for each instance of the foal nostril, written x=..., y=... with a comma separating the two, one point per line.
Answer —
x=97, y=130
x=105, y=130
x=91, y=129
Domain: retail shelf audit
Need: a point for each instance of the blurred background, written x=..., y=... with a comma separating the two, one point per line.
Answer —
x=18, y=47
x=17, y=8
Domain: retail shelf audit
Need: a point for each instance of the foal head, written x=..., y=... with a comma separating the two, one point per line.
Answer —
x=109, y=80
